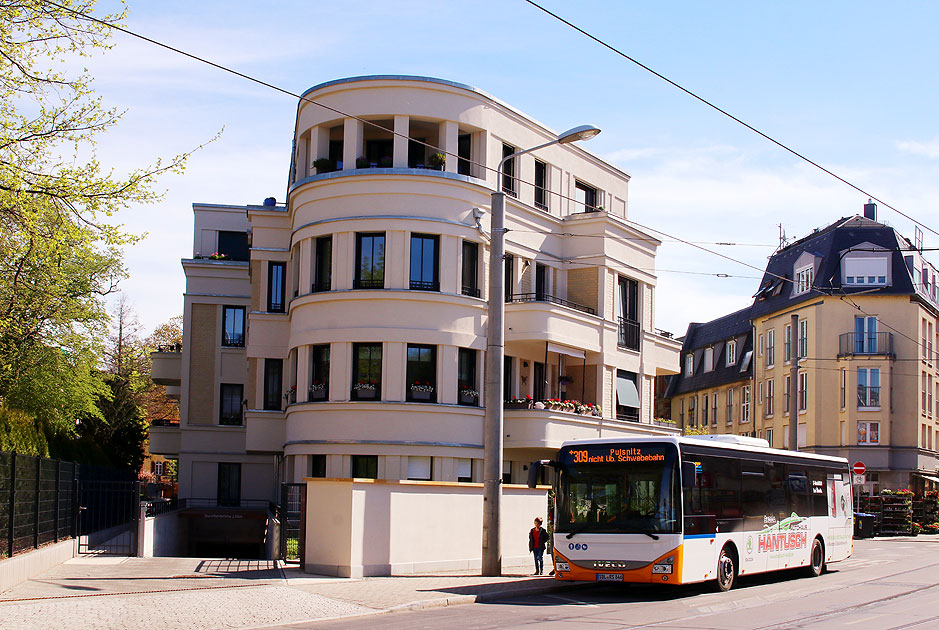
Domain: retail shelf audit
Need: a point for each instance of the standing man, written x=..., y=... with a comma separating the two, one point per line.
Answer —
x=537, y=539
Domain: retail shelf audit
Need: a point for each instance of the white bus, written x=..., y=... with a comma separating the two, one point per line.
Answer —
x=678, y=510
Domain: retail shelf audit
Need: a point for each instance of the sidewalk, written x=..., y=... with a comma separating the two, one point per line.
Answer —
x=105, y=593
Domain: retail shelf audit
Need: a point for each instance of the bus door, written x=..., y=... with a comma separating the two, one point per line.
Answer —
x=712, y=514
x=758, y=500
x=840, y=511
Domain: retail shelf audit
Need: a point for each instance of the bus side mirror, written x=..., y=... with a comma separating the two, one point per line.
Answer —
x=688, y=472
x=534, y=471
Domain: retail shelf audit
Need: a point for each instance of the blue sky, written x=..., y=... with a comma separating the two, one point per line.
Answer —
x=849, y=84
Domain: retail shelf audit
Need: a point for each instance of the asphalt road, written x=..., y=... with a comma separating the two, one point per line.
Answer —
x=887, y=583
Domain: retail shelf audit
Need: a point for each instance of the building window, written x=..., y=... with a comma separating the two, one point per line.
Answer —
x=730, y=406
x=768, y=436
x=924, y=340
x=787, y=343
x=585, y=196
x=322, y=264
x=273, y=383
x=786, y=393
x=366, y=371
x=422, y=373
x=803, y=391
x=508, y=171
x=420, y=468
x=627, y=396
x=506, y=471
x=319, y=372
x=714, y=409
x=541, y=282
x=745, y=404
x=229, y=484
x=630, y=330
x=508, y=378
x=370, y=261
x=233, y=326
x=234, y=245
x=466, y=377
x=692, y=421
x=229, y=404
x=868, y=433
x=689, y=364
x=424, y=263
x=865, y=335
x=923, y=391
x=464, y=143
x=803, y=338
x=681, y=413
x=731, y=352
x=539, y=379
x=470, y=272
x=759, y=346
x=705, y=409
x=541, y=185
x=770, y=348
x=844, y=387
x=464, y=469
x=509, y=279
x=929, y=389
x=865, y=271
x=770, y=394
x=708, y=359
x=276, y=272
x=365, y=466
x=804, y=278
x=317, y=467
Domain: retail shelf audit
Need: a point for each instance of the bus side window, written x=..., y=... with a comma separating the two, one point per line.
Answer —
x=800, y=498
x=756, y=488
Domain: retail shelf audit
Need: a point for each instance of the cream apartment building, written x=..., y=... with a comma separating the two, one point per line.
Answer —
x=350, y=342
x=864, y=339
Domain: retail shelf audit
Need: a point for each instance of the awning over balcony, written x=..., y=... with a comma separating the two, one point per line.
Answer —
x=626, y=393
x=571, y=352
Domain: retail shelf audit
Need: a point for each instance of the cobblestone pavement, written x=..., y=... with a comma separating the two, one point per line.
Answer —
x=108, y=593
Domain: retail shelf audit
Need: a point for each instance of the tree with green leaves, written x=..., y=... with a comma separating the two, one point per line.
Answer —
x=60, y=249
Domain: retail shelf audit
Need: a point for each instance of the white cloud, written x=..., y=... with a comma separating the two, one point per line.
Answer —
x=928, y=149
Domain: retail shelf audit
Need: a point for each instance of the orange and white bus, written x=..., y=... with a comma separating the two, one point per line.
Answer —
x=678, y=510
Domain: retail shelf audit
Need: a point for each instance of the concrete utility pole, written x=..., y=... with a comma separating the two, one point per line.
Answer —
x=495, y=355
x=795, y=341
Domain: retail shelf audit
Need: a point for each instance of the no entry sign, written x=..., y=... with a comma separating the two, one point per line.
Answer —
x=859, y=468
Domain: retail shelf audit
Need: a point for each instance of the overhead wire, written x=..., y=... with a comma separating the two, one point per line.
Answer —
x=729, y=115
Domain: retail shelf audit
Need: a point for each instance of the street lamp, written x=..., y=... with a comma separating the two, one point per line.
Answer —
x=495, y=355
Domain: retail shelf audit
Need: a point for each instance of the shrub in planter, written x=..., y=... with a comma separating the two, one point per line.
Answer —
x=437, y=160
x=385, y=162
x=323, y=165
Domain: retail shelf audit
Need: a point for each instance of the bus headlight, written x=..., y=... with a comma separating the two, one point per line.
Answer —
x=562, y=566
x=665, y=566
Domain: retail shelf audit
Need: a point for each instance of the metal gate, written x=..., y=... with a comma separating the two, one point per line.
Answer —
x=292, y=516
x=109, y=512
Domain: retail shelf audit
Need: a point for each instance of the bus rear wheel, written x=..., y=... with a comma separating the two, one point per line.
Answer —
x=817, y=559
x=726, y=569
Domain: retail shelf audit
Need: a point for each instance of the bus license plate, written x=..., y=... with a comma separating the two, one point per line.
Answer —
x=609, y=577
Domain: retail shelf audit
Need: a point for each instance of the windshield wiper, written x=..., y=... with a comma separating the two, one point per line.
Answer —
x=578, y=530
x=651, y=535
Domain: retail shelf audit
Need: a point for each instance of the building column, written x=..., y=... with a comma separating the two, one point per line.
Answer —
x=447, y=360
x=352, y=142
x=303, y=374
x=318, y=145
x=340, y=371
x=449, y=142
x=402, y=133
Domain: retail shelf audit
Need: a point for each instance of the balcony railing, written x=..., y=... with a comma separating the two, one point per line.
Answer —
x=423, y=285
x=544, y=297
x=319, y=287
x=850, y=344
x=470, y=291
x=369, y=283
x=630, y=334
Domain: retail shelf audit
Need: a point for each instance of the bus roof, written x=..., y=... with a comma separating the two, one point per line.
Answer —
x=712, y=442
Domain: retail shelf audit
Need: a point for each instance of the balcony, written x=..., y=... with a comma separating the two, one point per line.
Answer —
x=630, y=334
x=547, y=428
x=544, y=297
x=865, y=344
x=167, y=365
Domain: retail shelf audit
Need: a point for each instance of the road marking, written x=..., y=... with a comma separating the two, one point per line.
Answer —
x=851, y=623
x=574, y=602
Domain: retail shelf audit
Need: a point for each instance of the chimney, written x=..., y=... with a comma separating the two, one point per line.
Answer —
x=870, y=210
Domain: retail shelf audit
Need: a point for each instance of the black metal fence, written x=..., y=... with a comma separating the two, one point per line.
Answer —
x=40, y=500
x=291, y=513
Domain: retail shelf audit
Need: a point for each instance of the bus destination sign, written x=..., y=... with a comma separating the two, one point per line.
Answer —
x=615, y=455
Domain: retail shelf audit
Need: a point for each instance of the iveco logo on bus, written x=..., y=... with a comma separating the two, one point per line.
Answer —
x=781, y=542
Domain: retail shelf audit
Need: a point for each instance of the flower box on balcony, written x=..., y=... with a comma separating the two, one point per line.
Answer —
x=517, y=404
x=318, y=391
x=422, y=392
x=364, y=391
x=468, y=396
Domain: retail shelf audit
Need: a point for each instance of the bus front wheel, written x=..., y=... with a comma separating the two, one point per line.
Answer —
x=817, y=559
x=726, y=569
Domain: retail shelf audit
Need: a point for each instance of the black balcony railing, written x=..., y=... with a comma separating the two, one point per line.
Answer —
x=630, y=334
x=850, y=344
x=545, y=297
x=369, y=283
x=422, y=285
x=319, y=287
x=470, y=291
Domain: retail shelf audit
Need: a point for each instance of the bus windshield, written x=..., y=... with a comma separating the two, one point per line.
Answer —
x=626, y=489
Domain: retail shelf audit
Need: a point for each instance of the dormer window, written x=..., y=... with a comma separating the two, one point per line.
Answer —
x=689, y=364
x=708, y=359
x=804, y=278
x=732, y=352
x=865, y=271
